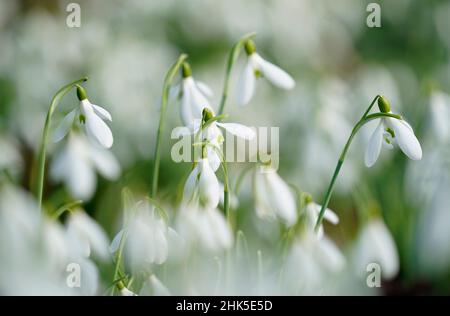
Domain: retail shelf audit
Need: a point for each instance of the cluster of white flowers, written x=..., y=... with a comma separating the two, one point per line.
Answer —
x=204, y=217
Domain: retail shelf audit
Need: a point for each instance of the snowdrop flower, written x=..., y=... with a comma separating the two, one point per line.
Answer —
x=389, y=132
x=205, y=226
x=311, y=263
x=92, y=117
x=312, y=211
x=76, y=163
x=273, y=197
x=193, y=95
x=202, y=185
x=376, y=245
x=30, y=255
x=258, y=67
x=213, y=135
x=85, y=235
x=147, y=237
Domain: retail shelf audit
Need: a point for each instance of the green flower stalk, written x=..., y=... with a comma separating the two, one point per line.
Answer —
x=39, y=187
x=165, y=98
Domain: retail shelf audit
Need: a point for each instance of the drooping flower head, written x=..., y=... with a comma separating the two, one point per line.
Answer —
x=89, y=115
x=257, y=67
x=193, y=95
x=391, y=131
x=273, y=197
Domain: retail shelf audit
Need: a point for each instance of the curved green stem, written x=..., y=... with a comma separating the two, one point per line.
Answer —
x=232, y=57
x=43, y=148
x=364, y=119
x=66, y=207
x=165, y=97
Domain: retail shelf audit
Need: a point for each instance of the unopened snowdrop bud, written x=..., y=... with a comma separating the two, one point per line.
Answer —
x=207, y=114
x=186, y=70
x=124, y=291
x=383, y=105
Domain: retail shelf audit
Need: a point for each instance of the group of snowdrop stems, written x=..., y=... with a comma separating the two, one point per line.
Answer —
x=391, y=129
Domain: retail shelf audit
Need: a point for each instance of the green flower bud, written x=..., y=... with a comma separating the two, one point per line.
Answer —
x=81, y=93
x=120, y=285
x=250, y=47
x=186, y=70
x=383, y=105
x=207, y=114
x=308, y=198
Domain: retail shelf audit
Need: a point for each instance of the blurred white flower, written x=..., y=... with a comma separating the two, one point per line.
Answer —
x=388, y=132
x=92, y=117
x=77, y=162
x=311, y=264
x=85, y=235
x=34, y=251
x=153, y=286
x=147, y=237
x=205, y=226
x=440, y=115
x=273, y=197
x=312, y=210
x=257, y=67
x=376, y=245
x=202, y=186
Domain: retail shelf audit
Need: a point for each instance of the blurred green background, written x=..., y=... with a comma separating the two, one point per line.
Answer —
x=339, y=64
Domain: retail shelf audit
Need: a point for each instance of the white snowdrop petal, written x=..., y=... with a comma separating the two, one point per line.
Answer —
x=238, y=129
x=99, y=131
x=213, y=158
x=276, y=75
x=331, y=216
x=205, y=89
x=197, y=100
x=219, y=225
x=262, y=198
x=64, y=127
x=374, y=146
x=105, y=162
x=190, y=185
x=187, y=117
x=330, y=255
x=115, y=243
x=102, y=112
x=246, y=85
x=282, y=198
x=80, y=177
x=406, y=139
x=88, y=229
x=208, y=184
